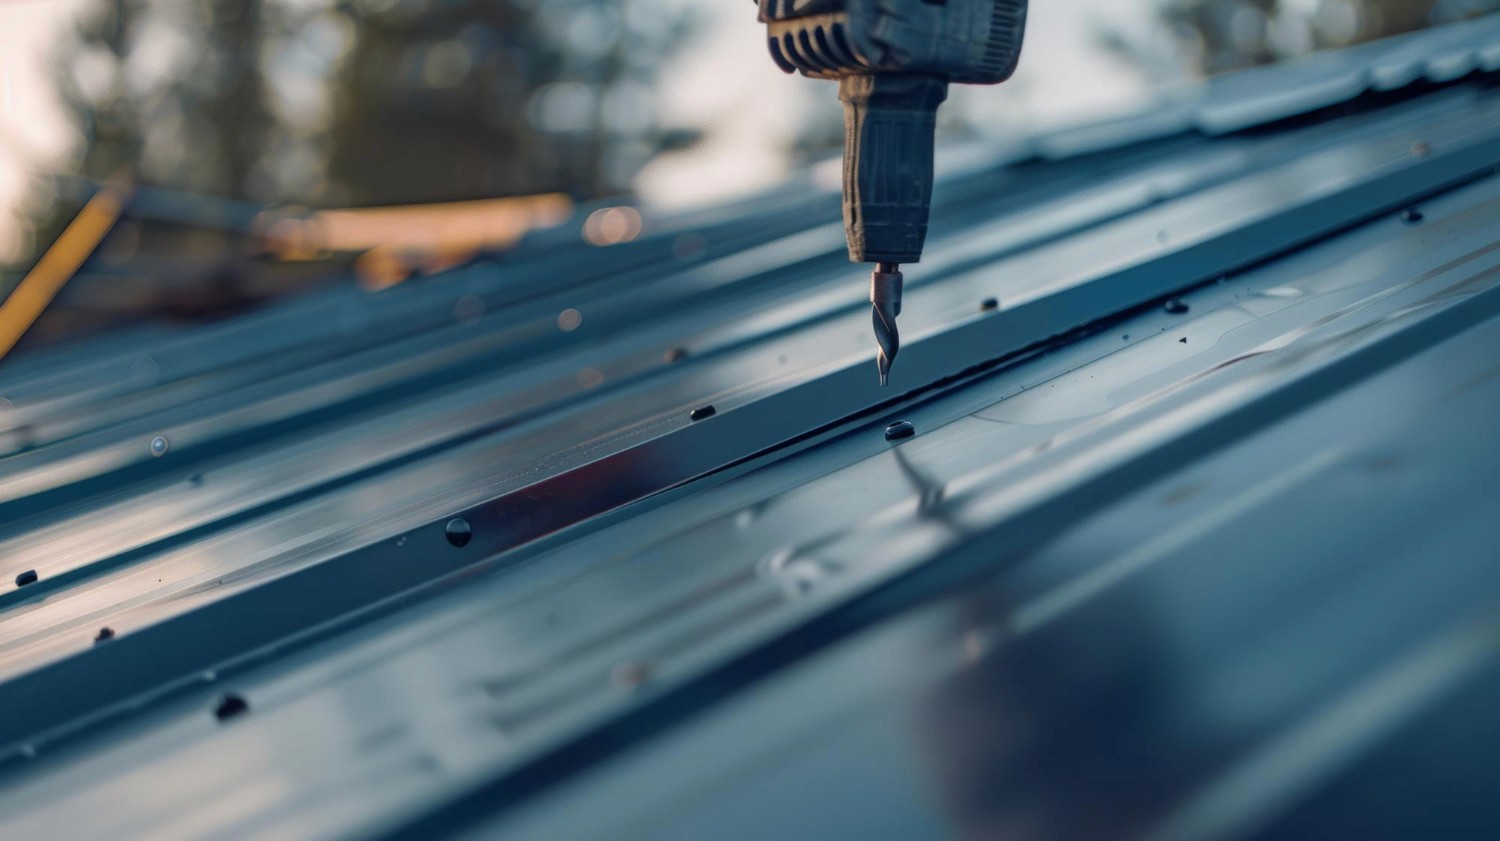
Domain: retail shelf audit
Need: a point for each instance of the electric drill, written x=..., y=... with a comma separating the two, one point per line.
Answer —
x=893, y=60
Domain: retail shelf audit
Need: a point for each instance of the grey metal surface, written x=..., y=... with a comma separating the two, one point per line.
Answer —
x=1116, y=524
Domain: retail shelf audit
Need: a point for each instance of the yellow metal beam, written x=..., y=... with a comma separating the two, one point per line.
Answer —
x=40, y=285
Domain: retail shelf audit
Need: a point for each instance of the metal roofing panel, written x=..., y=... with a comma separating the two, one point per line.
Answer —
x=1084, y=458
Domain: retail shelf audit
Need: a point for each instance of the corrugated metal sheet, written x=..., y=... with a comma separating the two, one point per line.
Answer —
x=1186, y=571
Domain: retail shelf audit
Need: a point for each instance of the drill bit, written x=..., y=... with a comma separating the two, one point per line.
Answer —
x=885, y=305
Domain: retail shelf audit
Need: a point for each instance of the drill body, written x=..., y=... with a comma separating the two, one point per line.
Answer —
x=893, y=60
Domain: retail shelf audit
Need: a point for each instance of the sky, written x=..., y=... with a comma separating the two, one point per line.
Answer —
x=32, y=130
x=724, y=82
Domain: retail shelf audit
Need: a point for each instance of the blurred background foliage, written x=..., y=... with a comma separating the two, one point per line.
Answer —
x=234, y=106
x=367, y=102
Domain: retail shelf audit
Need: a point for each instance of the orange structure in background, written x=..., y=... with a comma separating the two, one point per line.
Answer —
x=394, y=242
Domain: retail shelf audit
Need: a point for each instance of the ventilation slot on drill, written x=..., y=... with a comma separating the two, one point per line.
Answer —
x=816, y=46
x=1006, y=26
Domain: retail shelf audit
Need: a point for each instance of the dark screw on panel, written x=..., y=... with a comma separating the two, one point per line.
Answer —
x=702, y=412
x=459, y=532
x=1412, y=216
x=989, y=305
x=900, y=429
x=1176, y=306
x=105, y=634
x=230, y=706
x=27, y=577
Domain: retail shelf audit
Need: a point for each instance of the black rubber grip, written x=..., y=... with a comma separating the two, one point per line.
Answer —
x=889, y=120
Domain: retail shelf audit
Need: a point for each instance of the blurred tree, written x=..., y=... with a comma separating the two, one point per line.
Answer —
x=166, y=94
x=163, y=94
x=1223, y=35
x=363, y=101
x=170, y=93
x=440, y=100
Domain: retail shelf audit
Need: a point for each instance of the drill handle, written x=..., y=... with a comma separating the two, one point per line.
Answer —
x=889, y=122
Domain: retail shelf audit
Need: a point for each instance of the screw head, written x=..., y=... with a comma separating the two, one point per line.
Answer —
x=899, y=430
x=989, y=305
x=459, y=532
x=1412, y=216
x=1176, y=306
x=702, y=412
x=105, y=634
x=159, y=446
x=27, y=577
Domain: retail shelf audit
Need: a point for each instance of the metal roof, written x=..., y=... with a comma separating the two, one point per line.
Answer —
x=1193, y=540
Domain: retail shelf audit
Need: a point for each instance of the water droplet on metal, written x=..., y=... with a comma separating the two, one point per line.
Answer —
x=468, y=309
x=159, y=446
x=1412, y=216
x=1176, y=306
x=459, y=532
x=989, y=305
x=703, y=412
x=27, y=577
x=1125, y=338
x=230, y=706
x=689, y=246
x=590, y=377
x=631, y=674
x=974, y=645
x=569, y=320
x=144, y=371
x=105, y=634
x=899, y=430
